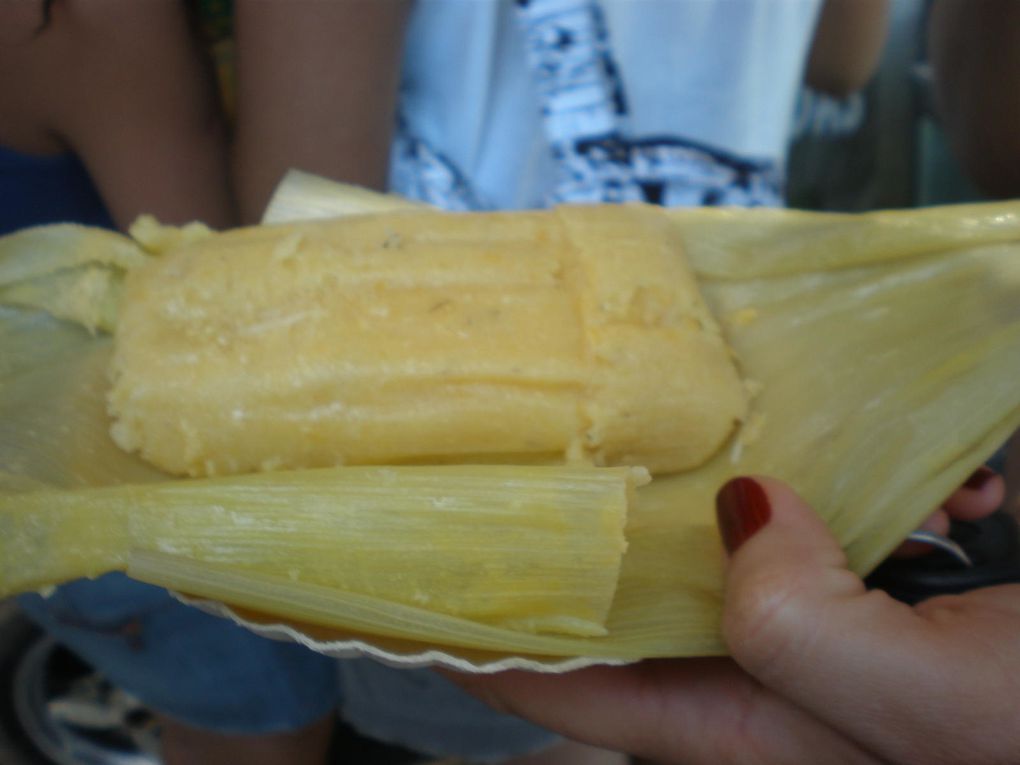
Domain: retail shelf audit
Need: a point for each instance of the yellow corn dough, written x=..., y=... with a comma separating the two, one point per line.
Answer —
x=574, y=334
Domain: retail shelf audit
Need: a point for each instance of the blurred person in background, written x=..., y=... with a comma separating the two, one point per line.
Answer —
x=519, y=104
x=975, y=55
x=974, y=49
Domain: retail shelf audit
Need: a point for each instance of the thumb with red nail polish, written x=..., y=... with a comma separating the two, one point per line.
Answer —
x=825, y=672
x=742, y=507
x=784, y=568
x=805, y=627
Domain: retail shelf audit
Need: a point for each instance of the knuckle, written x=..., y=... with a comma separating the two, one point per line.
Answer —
x=764, y=622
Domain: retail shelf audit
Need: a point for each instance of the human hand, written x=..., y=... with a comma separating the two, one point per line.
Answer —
x=823, y=671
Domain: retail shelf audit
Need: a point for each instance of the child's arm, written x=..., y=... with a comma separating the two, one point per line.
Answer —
x=317, y=88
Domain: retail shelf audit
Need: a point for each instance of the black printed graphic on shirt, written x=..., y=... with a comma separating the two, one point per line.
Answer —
x=584, y=112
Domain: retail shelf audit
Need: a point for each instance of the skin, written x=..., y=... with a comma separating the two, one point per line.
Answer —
x=111, y=80
x=186, y=745
x=317, y=89
x=822, y=670
x=847, y=45
x=975, y=55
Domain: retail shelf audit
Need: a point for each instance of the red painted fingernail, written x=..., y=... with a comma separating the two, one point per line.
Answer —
x=979, y=478
x=741, y=509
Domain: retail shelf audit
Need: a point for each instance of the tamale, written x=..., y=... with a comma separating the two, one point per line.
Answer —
x=412, y=337
x=884, y=349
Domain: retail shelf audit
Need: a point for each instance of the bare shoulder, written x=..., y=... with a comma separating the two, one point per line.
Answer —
x=125, y=85
x=60, y=60
x=26, y=91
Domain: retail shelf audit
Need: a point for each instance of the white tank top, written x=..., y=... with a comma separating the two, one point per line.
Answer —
x=524, y=103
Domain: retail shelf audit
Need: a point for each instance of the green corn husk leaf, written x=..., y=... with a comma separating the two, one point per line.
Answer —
x=886, y=349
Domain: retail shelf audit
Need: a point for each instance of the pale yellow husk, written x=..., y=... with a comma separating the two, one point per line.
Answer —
x=469, y=542
x=884, y=350
x=303, y=196
x=70, y=271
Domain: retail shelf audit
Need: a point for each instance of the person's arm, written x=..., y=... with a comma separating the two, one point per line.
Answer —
x=847, y=45
x=317, y=86
x=823, y=671
x=131, y=94
x=974, y=47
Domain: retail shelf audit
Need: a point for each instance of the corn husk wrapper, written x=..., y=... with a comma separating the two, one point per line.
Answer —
x=303, y=196
x=885, y=349
x=364, y=530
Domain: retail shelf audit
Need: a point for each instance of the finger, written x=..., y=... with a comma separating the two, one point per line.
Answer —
x=979, y=496
x=887, y=676
x=684, y=711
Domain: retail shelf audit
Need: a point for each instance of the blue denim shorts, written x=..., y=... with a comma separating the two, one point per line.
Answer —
x=212, y=674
